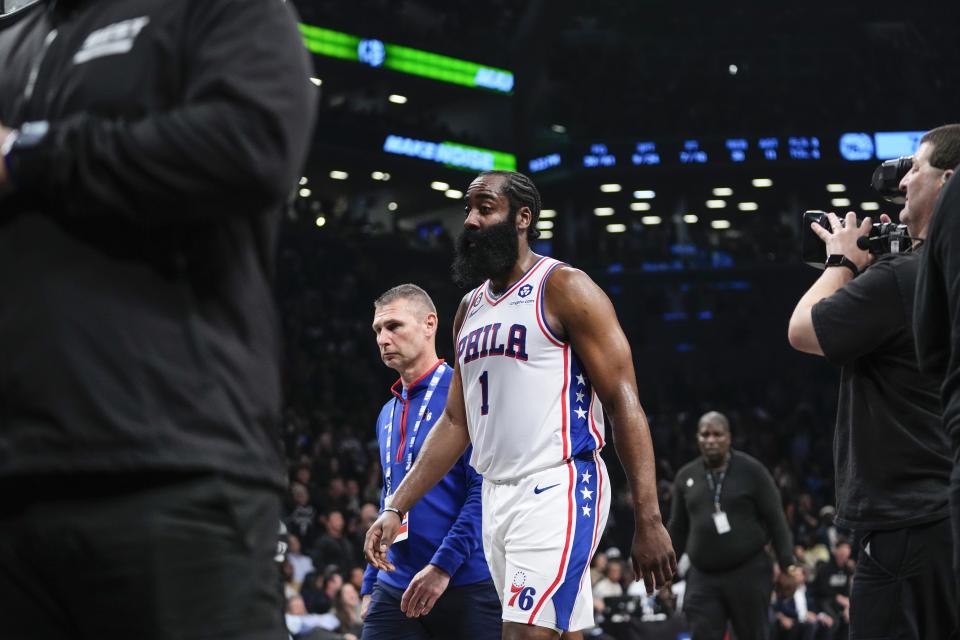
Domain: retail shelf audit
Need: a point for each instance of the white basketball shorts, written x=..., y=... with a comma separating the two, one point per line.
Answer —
x=539, y=535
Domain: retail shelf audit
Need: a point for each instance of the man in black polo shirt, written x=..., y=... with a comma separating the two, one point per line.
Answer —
x=892, y=456
x=726, y=508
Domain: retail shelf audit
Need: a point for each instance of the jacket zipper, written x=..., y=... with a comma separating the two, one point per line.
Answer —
x=403, y=429
x=35, y=71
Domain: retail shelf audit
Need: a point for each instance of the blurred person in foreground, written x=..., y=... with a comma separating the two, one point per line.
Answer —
x=148, y=149
x=937, y=315
x=726, y=510
x=891, y=452
x=538, y=348
x=438, y=584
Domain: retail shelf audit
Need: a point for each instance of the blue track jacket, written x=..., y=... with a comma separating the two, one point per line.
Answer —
x=445, y=524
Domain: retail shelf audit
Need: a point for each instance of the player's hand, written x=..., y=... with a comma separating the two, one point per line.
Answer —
x=424, y=591
x=365, y=605
x=380, y=536
x=653, y=557
x=843, y=239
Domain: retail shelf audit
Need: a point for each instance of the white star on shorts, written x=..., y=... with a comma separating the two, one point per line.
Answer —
x=586, y=511
x=585, y=477
x=580, y=412
x=579, y=396
x=580, y=379
x=587, y=494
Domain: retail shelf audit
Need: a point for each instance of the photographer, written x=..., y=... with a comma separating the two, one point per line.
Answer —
x=891, y=452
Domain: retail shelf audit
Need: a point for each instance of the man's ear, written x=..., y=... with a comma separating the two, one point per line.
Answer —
x=431, y=323
x=524, y=218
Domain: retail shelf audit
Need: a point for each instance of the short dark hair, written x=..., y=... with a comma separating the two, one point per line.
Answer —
x=409, y=292
x=521, y=192
x=714, y=417
x=945, y=141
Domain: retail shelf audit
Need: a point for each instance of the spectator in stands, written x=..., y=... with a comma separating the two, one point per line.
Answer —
x=335, y=497
x=290, y=587
x=598, y=568
x=302, y=520
x=356, y=578
x=796, y=612
x=726, y=509
x=806, y=520
x=611, y=584
x=301, y=563
x=319, y=590
x=831, y=584
x=304, y=625
x=333, y=547
x=351, y=498
x=347, y=609
x=359, y=524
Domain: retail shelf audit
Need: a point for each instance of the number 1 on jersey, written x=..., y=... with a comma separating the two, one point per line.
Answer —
x=484, y=407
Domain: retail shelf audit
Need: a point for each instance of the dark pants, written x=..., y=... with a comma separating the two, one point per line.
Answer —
x=132, y=556
x=741, y=595
x=471, y=612
x=904, y=586
x=955, y=524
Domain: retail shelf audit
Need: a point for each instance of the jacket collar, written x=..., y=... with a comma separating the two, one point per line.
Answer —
x=417, y=385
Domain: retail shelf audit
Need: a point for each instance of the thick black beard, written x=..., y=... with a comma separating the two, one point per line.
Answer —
x=485, y=253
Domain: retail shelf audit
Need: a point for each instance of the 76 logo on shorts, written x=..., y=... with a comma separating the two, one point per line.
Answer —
x=522, y=595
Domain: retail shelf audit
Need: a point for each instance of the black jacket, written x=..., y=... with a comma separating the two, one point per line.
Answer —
x=936, y=316
x=137, y=328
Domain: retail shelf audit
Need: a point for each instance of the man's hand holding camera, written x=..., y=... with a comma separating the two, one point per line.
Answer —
x=848, y=260
x=841, y=238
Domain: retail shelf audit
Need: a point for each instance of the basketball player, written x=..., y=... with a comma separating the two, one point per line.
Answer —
x=538, y=349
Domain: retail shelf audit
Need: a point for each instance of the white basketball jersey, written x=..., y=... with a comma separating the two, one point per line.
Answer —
x=528, y=400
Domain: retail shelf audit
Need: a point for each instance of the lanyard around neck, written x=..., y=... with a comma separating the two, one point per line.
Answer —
x=716, y=484
x=388, y=469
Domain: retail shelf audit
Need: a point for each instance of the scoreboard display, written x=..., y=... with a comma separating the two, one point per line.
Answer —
x=756, y=150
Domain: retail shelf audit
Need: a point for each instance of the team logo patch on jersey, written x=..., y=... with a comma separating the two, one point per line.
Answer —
x=522, y=595
x=525, y=290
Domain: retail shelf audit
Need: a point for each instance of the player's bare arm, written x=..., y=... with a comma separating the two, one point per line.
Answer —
x=580, y=311
x=447, y=441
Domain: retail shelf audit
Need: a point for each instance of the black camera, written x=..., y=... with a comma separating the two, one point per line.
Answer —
x=884, y=237
x=886, y=178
